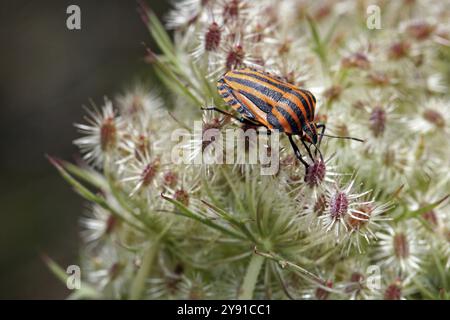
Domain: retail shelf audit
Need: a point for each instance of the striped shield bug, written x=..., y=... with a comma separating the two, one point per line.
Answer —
x=263, y=99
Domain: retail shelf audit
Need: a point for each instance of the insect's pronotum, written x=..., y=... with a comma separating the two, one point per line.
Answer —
x=266, y=100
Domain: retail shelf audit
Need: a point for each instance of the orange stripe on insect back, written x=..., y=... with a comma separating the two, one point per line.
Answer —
x=274, y=79
x=313, y=104
x=291, y=112
x=240, y=87
x=262, y=83
x=246, y=75
x=262, y=75
x=305, y=97
x=268, y=77
x=298, y=103
x=228, y=101
x=259, y=114
x=282, y=120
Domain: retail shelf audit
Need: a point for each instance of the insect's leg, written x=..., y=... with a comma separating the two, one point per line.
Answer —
x=297, y=152
x=221, y=111
x=322, y=126
x=320, y=153
x=240, y=119
x=307, y=149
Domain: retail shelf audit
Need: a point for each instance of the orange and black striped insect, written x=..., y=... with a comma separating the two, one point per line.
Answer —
x=266, y=100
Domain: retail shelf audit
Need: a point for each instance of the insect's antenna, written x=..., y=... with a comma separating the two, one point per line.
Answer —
x=339, y=137
x=320, y=152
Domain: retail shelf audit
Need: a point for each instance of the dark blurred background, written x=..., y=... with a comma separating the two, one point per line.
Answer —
x=47, y=73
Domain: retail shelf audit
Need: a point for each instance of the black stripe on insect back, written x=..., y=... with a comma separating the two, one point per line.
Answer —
x=294, y=107
x=289, y=119
x=256, y=86
x=263, y=79
x=261, y=104
x=309, y=111
x=304, y=103
x=274, y=122
x=234, y=102
x=314, y=98
x=308, y=96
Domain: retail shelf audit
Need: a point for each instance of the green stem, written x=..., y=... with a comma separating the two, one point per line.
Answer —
x=138, y=284
x=184, y=211
x=251, y=276
x=238, y=224
x=284, y=263
x=88, y=195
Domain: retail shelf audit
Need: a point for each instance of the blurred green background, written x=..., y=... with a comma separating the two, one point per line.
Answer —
x=47, y=73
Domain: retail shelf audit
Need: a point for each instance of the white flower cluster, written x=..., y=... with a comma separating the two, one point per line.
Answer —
x=164, y=230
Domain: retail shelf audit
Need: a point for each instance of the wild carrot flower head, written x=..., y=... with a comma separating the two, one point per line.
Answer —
x=179, y=213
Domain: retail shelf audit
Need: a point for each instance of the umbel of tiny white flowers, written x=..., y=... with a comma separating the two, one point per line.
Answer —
x=160, y=230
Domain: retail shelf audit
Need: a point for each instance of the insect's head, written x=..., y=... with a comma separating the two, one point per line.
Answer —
x=310, y=131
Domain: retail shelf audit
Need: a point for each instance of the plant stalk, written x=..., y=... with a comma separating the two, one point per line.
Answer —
x=138, y=284
x=251, y=276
